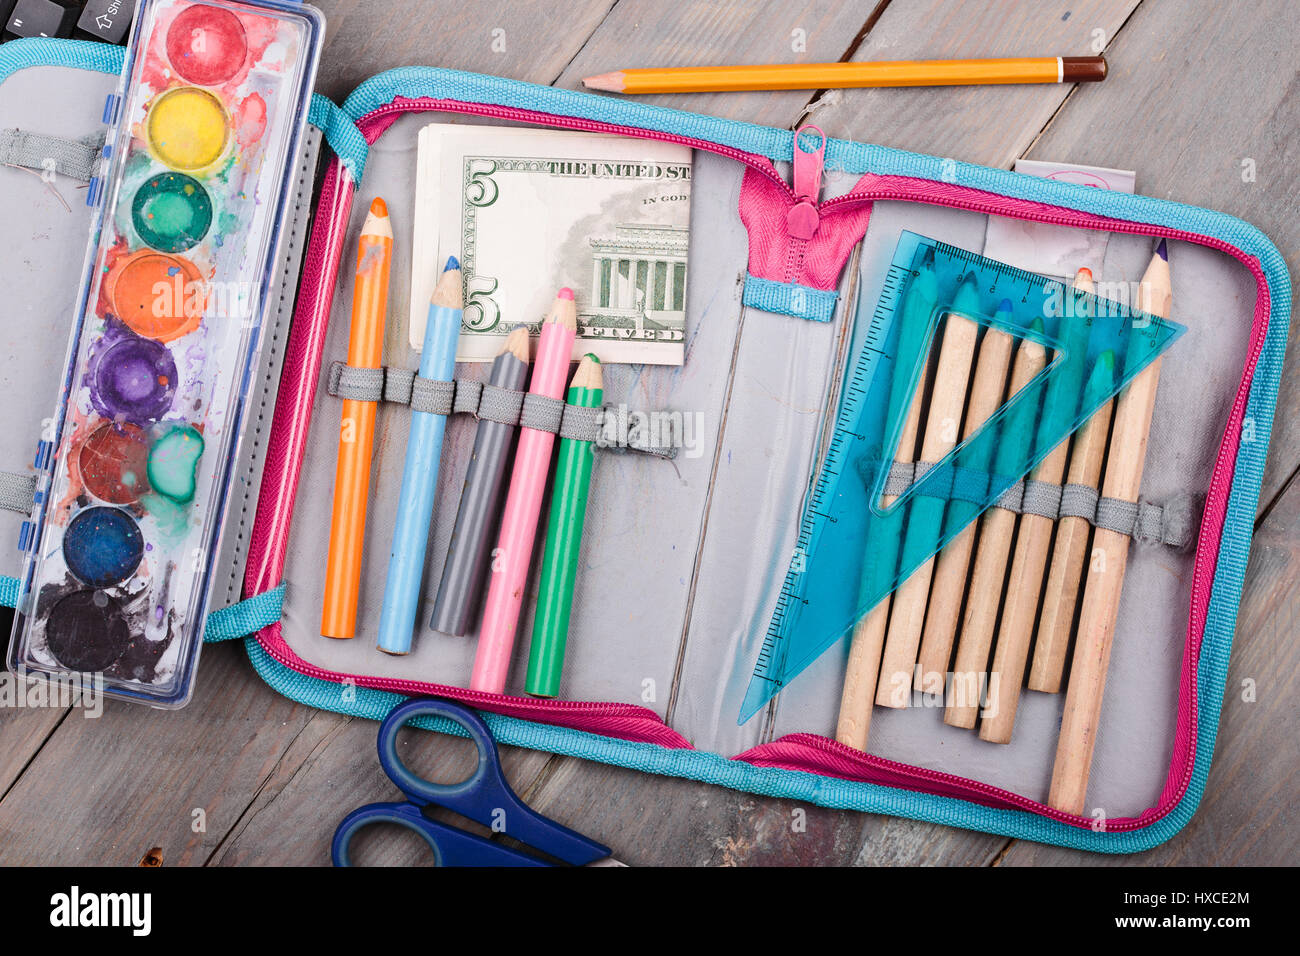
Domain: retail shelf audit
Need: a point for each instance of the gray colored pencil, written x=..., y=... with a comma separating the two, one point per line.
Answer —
x=480, y=499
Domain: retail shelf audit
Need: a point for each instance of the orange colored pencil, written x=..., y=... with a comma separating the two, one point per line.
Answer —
x=357, y=428
x=826, y=76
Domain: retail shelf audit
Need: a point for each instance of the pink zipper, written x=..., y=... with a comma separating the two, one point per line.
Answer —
x=641, y=724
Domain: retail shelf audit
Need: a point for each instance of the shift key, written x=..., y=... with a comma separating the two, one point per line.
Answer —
x=107, y=20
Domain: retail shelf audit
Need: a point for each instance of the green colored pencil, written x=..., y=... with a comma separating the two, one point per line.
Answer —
x=563, y=541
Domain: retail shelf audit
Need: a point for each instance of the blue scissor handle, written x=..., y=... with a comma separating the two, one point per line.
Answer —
x=484, y=796
x=451, y=847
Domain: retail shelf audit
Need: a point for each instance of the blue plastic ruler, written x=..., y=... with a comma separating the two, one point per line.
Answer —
x=851, y=549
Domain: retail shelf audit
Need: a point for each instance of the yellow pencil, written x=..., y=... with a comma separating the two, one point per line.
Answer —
x=823, y=76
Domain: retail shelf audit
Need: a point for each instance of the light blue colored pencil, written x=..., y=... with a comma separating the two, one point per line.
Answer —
x=420, y=474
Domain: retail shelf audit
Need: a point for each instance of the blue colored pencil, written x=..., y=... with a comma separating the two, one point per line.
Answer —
x=420, y=474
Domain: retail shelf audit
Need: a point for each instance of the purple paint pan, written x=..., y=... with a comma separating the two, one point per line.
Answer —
x=131, y=379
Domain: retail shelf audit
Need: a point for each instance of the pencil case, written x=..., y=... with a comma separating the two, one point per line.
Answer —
x=676, y=591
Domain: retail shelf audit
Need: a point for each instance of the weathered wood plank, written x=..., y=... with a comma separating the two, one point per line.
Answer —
x=980, y=124
x=24, y=732
x=1201, y=99
x=661, y=821
x=329, y=772
x=639, y=33
x=104, y=791
x=531, y=41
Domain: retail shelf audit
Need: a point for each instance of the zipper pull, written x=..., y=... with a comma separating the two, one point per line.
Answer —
x=802, y=219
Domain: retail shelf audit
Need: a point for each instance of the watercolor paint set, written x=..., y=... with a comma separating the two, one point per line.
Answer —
x=131, y=502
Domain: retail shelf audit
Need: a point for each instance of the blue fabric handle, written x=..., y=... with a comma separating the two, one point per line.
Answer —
x=787, y=298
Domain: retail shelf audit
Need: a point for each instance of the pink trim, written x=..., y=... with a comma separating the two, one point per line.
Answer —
x=805, y=752
x=777, y=253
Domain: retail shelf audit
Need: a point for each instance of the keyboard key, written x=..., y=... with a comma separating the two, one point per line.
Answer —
x=40, y=18
x=107, y=20
x=6, y=8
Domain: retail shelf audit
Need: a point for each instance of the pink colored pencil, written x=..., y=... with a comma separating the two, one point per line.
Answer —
x=514, y=548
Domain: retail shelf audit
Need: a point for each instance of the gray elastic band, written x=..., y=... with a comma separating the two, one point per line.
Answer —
x=75, y=158
x=17, y=492
x=1171, y=524
x=542, y=413
x=902, y=474
x=620, y=433
x=1116, y=515
x=1013, y=497
x=398, y=383
x=499, y=404
x=469, y=397
x=358, y=384
x=1079, y=501
x=1041, y=498
x=582, y=424
x=434, y=397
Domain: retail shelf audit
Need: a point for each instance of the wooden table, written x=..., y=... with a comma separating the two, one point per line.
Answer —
x=1198, y=89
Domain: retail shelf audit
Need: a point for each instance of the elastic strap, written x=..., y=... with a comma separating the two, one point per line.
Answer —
x=75, y=158
x=1171, y=524
x=582, y=423
x=610, y=427
x=17, y=492
x=542, y=413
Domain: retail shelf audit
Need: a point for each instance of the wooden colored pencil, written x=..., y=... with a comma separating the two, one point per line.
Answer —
x=905, y=397
x=1105, y=582
x=563, y=541
x=466, y=566
x=1070, y=550
x=997, y=526
x=822, y=76
x=514, y=550
x=1034, y=539
x=925, y=521
x=357, y=428
x=420, y=471
x=858, y=695
x=950, y=572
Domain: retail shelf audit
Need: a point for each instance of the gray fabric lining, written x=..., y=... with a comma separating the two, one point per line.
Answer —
x=1171, y=524
x=17, y=492
x=76, y=158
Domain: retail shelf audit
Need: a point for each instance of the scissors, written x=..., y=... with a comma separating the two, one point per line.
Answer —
x=484, y=796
